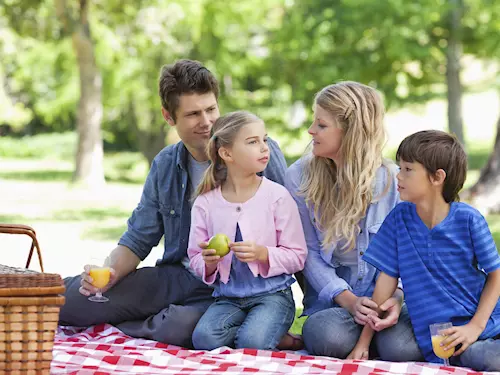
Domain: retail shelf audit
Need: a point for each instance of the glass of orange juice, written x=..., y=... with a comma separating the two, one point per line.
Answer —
x=100, y=278
x=437, y=338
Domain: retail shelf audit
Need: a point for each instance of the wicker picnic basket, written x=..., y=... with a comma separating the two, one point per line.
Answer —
x=29, y=313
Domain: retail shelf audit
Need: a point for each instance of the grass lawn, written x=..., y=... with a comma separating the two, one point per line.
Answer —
x=74, y=225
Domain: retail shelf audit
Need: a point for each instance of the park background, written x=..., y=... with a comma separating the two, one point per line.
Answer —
x=80, y=115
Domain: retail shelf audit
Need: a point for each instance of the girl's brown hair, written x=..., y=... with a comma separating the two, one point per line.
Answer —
x=224, y=132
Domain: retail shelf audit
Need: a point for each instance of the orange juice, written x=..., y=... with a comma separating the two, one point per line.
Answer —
x=100, y=276
x=439, y=350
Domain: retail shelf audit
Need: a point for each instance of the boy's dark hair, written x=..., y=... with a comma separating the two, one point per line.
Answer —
x=184, y=77
x=435, y=150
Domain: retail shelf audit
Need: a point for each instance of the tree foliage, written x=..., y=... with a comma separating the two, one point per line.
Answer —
x=270, y=56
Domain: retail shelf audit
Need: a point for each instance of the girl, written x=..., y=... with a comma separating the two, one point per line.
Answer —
x=344, y=190
x=254, y=307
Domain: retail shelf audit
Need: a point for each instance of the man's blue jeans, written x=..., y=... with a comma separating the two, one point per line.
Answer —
x=252, y=322
x=334, y=333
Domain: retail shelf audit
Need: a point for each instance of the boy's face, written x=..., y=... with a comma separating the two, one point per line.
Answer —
x=195, y=117
x=414, y=182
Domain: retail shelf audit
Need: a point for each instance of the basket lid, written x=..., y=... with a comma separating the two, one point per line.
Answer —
x=24, y=282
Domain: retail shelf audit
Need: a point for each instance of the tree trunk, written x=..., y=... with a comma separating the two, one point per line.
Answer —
x=89, y=155
x=485, y=193
x=150, y=135
x=151, y=143
x=453, y=56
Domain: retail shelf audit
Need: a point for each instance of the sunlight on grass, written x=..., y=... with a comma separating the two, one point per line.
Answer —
x=105, y=232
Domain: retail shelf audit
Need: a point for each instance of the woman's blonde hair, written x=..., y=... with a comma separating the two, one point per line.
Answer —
x=223, y=132
x=342, y=193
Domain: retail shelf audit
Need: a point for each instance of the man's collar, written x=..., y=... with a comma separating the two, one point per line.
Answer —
x=182, y=156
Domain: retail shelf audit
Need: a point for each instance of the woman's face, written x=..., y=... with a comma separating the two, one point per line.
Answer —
x=326, y=134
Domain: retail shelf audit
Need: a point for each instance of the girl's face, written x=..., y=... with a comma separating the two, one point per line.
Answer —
x=249, y=151
x=326, y=135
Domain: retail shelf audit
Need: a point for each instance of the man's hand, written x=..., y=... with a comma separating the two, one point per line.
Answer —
x=248, y=251
x=363, y=309
x=393, y=308
x=360, y=351
x=465, y=335
x=87, y=288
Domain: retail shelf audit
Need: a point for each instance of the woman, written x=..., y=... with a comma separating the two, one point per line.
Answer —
x=344, y=190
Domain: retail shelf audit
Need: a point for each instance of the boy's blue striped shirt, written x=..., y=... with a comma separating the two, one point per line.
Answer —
x=443, y=269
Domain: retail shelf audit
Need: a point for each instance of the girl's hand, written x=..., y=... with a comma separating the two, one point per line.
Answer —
x=248, y=251
x=393, y=308
x=209, y=254
x=465, y=335
x=360, y=351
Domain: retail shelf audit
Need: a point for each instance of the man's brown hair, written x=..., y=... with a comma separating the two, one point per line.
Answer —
x=184, y=77
x=435, y=150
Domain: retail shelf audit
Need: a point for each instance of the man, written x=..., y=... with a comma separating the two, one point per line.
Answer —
x=165, y=302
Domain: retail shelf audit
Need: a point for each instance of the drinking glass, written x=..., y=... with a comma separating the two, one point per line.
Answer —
x=100, y=274
x=437, y=337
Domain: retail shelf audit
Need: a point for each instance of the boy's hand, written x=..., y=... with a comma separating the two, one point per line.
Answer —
x=209, y=254
x=393, y=308
x=360, y=351
x=363, y=308
x=248, y=251
x=465, y=335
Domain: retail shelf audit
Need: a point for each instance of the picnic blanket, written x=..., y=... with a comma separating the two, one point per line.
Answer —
x=104, y=350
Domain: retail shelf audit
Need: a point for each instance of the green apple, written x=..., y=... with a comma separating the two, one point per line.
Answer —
x=220, y=243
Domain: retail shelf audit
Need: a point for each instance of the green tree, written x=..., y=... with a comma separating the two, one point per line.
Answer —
x=481, y=39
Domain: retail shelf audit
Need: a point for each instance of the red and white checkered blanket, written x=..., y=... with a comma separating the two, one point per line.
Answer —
x=106, y=350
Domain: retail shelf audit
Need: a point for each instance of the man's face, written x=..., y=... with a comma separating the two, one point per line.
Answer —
x=195, y=117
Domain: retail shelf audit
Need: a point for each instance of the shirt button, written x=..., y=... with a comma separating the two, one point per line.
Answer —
x=172, y=212
x=361, y=253
x=238, y=209
x=360, y=278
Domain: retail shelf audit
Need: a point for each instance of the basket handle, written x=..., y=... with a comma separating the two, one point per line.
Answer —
x=27, y=230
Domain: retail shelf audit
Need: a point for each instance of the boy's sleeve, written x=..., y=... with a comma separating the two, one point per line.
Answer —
x=483, y=244
x=382, y=252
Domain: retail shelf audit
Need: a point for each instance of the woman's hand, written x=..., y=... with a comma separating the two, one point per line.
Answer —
x=363, y=309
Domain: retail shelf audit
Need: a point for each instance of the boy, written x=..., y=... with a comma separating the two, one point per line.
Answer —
x=444, y=254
